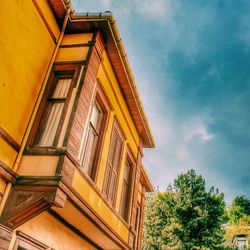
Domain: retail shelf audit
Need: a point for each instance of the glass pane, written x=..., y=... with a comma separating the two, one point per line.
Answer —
x=51, y=125
x=95, y=116
x=88, y=150
x=62, y=88
x=127, y=172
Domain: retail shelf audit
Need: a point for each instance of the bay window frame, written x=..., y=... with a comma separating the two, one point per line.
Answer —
x=59, y=71
x=101, y=101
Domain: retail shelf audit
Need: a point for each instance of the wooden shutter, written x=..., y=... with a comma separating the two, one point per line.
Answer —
x=110, y=179
x=125, y=191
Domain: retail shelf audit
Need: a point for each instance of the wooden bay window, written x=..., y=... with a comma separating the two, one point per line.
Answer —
x=51, y=114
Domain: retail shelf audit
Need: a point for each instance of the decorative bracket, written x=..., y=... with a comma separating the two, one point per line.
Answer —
x=30, y=196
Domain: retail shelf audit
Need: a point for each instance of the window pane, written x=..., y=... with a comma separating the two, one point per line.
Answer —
x=89, y=151
x=127, y=172
x=124, y=201
x=125, y=191
x=62, y=88
x=51, y=125
x=95, y=116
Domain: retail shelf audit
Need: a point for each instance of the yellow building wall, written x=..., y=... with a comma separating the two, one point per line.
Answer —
x=78, y=53
x=53, y=233
x=121, y=113
x=26, y=47
x=96, y=202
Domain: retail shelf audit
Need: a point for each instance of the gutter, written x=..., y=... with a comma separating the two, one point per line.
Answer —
x=108, y=16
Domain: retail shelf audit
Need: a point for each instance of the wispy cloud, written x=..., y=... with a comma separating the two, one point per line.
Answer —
x=155, y=10
x=191, y=65
x=196, y=128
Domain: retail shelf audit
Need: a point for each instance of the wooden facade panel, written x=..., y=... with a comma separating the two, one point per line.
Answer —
x=72, y=54
x=83, y=107
x=5, y=237
x=67, y=170
x=76, y=39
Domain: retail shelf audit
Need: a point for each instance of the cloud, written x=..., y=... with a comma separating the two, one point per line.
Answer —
x=244, y=27
x=190, y=62
x=196, y=128
x=155, y=10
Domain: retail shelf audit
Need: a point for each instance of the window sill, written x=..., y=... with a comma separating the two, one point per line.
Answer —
x=45, y=151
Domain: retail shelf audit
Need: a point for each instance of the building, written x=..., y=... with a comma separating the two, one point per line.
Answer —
x=241, y=241
x=237, y=236
x=72, y=131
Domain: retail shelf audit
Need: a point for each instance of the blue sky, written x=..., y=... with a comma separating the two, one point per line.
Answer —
x=191, y=61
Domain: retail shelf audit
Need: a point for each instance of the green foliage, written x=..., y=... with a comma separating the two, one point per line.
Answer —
x=239, y=213
x=185, y=217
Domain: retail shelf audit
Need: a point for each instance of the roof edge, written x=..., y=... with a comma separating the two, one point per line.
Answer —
x=108, y=16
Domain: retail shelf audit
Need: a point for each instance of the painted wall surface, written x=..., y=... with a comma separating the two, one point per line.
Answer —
x=38, y=165
x=113, y=91
x=72, y=215
x=53, y=233
x=26, y=47
x=77, y=53
x=96, y=202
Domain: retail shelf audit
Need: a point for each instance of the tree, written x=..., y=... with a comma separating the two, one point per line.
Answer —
x=239, y=213
x=186, y=216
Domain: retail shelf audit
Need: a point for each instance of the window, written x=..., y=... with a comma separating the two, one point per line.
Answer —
x=93, y=139
x=137, y=224
x=53, y=115
x=126, y=186
x=113, y=163
x=53, y=107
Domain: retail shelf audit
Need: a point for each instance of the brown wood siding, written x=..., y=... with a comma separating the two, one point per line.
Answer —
x=83, y=106
x=68, y=170
x=5, y=237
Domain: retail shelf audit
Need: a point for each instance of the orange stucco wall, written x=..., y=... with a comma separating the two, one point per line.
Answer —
x=53, y=233
x=26, y=47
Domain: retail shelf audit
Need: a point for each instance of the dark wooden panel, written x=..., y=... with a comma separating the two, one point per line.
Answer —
x=29, y=197
x=11, y=141
x=84, y=103
x=68, y=170
x=6, y=173
x=5, y=237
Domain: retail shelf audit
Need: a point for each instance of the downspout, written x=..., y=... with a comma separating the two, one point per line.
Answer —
x=35, y=109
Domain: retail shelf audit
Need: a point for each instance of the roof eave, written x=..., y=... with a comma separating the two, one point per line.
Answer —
x=107, y=19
